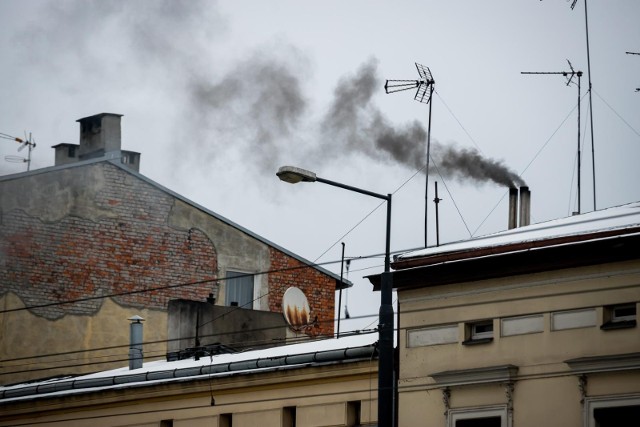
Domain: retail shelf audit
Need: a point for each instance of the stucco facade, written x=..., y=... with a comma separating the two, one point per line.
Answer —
x=531, y=343
x=324, y=388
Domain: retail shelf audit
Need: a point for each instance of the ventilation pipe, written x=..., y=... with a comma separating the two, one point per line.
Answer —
x=513, y=207
x=135, y=342
x=525, y=206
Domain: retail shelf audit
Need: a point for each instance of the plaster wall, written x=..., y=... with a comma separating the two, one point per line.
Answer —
x=318, y=393
x=545, y=389
x=43, y=347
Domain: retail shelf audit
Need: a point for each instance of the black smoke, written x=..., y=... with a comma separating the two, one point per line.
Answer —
x=354, y=124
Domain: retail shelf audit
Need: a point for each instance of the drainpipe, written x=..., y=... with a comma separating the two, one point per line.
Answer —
x=135, y=342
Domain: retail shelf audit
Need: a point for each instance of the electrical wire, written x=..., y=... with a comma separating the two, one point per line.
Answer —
x=617, y=114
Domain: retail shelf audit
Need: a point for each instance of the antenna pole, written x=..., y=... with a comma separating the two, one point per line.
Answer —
x=579, y=192
x=423, y=85
x=437, y=202
x=340, y=292
x=426, y=186
x=570, y=75
x=593, y=153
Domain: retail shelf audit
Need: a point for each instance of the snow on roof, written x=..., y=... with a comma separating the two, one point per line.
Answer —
x=615, y=218
x=285, y=350
x=316, y=351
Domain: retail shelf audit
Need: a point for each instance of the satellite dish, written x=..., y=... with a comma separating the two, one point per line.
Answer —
x=295, y=308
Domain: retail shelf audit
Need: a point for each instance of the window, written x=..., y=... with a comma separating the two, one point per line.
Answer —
x=225, y=420
x=479, y=422
x=619, y=316
x=620, y=411
x=239, y=289
x=353, y=413
x=289, y=416
x=479, y=332
x=166, y=423
x=481, y=417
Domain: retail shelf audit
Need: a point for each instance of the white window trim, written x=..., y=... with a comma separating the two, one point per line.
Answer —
x=454, y=415
x=474, y=335
x=616, y=319
x=593, y=403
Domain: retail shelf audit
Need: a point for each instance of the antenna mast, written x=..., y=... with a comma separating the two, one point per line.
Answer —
x=593, y=152
x=569, y=75
x=424, y=92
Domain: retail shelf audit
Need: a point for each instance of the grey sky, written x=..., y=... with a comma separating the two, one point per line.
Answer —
x=217, y=95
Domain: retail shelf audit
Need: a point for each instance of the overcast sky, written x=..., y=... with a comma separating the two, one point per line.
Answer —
x=217, y=95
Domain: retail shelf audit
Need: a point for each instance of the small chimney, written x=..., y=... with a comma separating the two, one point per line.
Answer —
x=525, y=206
x=513, y=207
x=135, y=342
x=99, y=134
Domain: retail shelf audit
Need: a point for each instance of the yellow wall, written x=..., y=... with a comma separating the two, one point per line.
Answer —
x=320, y=395
x=546, y=390
x=25, y=335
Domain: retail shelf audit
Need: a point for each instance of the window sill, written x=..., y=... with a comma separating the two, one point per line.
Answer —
x=477, y=341
x=618, y=325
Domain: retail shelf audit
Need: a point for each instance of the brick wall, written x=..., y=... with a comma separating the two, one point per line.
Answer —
x=317, y=287
x=133, y=249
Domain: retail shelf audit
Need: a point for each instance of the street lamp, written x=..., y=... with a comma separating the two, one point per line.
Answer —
x=386, y=389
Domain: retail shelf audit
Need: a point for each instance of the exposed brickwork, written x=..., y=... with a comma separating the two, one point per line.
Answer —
x=317, y=287
x=133, y=249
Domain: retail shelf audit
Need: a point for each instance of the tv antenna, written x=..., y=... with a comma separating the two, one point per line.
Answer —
x=29, y=143
x=569, y=75
x=424, y=92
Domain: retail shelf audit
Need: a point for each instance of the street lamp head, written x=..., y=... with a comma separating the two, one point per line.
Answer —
x=294, y=175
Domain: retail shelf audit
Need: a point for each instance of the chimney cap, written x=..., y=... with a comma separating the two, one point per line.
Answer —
x=136, y=319
x=95, y=116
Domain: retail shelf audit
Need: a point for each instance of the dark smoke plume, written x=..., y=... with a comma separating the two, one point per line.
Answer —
x=353, y=123
x=258, y=105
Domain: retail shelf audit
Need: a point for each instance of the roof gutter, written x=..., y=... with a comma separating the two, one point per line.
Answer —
x=316, y=358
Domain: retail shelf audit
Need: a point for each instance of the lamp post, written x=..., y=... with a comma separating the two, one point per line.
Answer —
x=386, y=389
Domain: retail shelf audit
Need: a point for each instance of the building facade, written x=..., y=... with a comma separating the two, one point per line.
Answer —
x=528, y=327
x=319, y=383
x=90, y=242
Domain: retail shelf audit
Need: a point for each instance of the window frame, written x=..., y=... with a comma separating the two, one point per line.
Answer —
x=613, y=321
x=472, y=336
x=240, y=274
x=501, y=411
x=612, y=401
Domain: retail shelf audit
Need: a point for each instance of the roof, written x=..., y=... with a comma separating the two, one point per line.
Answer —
x=357, y=347
x=607, y=235
x=115, y=160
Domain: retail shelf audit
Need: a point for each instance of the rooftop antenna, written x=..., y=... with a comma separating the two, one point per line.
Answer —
x=593, y=153
x=634, y=53
x=569, y=76
x=26, y=142
x=424, y=92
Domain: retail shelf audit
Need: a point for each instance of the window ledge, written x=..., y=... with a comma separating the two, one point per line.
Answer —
x=618, y=325
x=477, y=341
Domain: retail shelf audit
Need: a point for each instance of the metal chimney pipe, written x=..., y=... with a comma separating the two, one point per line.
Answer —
x=513, y=207
x=135, y=342
x=525, y=206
